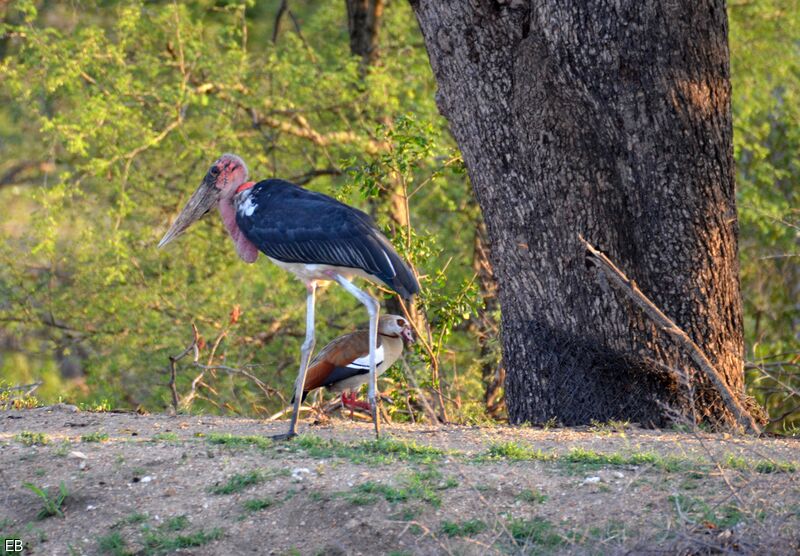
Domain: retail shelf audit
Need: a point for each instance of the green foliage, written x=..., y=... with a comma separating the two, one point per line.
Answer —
x=12, y=398
x=765, y=72
x=51, y=505
x=126, y=109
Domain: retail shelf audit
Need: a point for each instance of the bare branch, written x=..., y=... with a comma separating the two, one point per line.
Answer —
x=302, y=129
x=27, y=388
x=15, y=174
x=303, y=179
x=173, y=359
x=742, y=416
x=278, y=16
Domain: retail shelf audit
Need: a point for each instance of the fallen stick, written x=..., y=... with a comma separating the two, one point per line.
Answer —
x=629, y=287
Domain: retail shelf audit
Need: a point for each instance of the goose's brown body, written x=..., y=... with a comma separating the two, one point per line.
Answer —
x=343, y=364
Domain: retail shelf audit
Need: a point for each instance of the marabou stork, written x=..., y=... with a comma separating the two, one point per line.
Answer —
x=343, y=365
x=311, y=235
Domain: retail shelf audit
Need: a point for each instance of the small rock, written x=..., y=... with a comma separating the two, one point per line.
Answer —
x=77, y=455
x=591, y=480
x=618, y=475
x=351, y=524
x=298, y=472
x=146, y=479
x=89, y=508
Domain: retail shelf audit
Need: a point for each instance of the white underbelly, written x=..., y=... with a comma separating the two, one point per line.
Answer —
x=321, y=272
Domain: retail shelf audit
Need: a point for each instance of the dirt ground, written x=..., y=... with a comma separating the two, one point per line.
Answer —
x=157, y=484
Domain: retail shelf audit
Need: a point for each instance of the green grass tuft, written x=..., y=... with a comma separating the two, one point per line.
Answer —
x=531, y=496
x=94, y=437
x=113, y=544
x=133, y=519
x=723, y=517
x=165, y=437
x=51, y=505
x=463, y=529
x=589, y=459
x=237, y=441
x=257, y=504
x=765, y=466
x=536, y=531
x=177, y=523
x=515, y=451
x=157, y=542
x=240, y=481
x=382, y=451
x=32, y=438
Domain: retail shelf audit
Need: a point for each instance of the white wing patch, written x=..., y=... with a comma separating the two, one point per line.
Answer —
x=388, y=260
x=247, y=207
x=363, y=362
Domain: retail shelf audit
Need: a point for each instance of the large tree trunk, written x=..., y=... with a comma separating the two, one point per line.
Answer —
x=611, y=120
x=486, y=327
x=363, y=23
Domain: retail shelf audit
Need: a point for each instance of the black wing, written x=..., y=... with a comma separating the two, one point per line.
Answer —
x=295, y=225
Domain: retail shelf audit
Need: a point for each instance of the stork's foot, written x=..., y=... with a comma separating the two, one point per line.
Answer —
x=285, y=436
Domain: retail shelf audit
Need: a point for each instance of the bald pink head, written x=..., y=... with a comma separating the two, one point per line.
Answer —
x=219, y=186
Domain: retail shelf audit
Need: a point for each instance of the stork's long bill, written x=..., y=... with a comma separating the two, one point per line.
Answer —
x=225, y=175
x=199, y=203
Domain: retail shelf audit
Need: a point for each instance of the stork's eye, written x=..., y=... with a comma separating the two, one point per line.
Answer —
x=214, y=171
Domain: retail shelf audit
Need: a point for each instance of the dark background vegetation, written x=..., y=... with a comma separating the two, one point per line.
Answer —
x=111, y=112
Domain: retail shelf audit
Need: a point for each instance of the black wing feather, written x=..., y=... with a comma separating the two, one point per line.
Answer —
x=295, y=225
x=343, y=373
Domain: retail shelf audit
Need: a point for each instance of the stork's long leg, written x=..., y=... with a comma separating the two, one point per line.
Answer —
x=305, y=355
x=373, y=308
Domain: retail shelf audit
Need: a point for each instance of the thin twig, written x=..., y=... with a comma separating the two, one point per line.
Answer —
x=28, y=388
x=173, y=360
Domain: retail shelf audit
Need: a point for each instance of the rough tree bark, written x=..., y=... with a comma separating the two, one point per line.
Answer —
x=611, y=120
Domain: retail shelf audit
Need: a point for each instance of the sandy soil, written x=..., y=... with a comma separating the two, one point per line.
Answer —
x=157, y=484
